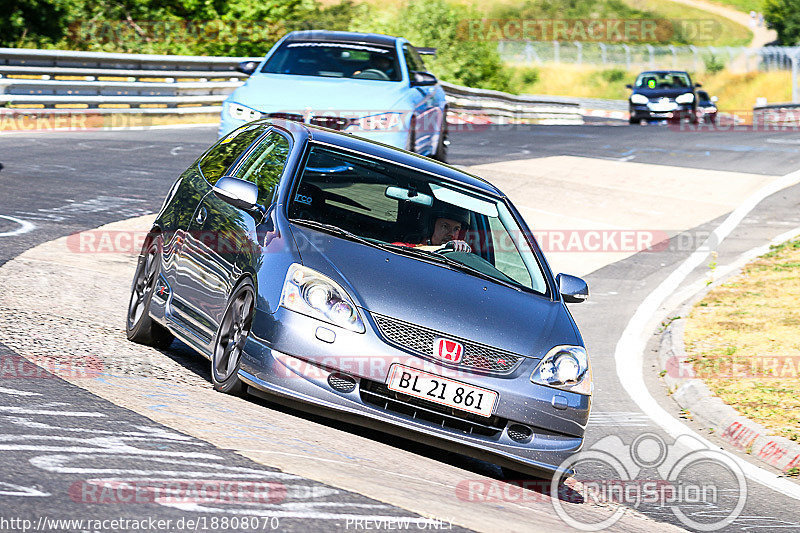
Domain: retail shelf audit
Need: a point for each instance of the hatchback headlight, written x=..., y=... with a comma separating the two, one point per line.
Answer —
x=685, y=98
x=310, y=293
x=241, y=112
x=639, y=99
x=565, y=367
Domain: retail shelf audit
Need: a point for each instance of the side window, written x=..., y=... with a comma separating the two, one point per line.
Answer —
x=264, y=165
x=222, y=155
x=412, y=59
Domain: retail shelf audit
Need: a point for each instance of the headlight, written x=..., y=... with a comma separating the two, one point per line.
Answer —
x=310, y=293
x=565, y=367
x=639, y=99
x=240, y=112
x=685, y=98
x=379, y=122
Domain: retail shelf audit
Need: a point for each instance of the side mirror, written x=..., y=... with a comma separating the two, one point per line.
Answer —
x=698, y=84
x=714, y=99
x=247, y=67
x=239, y=193
x=422, y=79
x=629, y=86
x=573, y=290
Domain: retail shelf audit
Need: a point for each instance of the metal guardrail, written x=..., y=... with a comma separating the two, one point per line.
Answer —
x=104, y=81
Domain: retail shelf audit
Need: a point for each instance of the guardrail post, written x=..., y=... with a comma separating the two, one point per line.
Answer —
x=556, y=52
x=528, y=52
x=695, y=57
x=652, y=52
x=603, y=55
x=794, y=58
x=674, y=56
x=579, y=45
x=627, y=56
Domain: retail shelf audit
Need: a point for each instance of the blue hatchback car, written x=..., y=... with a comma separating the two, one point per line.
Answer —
x=370, y=85
x=370, y=284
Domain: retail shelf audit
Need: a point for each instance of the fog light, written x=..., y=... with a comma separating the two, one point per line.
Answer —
x=519, y=433
x=341, y=382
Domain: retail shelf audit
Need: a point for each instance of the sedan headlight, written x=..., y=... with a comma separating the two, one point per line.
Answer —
x=639, y=99
x=685, y=98
x=378, y=122
x=310, y=293
x=565, y=367
x=240, y=112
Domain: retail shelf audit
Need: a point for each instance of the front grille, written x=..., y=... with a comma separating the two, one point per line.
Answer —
x=380, y=395
x=334, y=123
x=287, y=116
x=421, y=340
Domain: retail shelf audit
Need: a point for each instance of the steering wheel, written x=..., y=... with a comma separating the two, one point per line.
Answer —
x=372, y=74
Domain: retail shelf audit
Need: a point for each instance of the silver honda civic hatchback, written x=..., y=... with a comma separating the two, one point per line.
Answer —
x=371, y=285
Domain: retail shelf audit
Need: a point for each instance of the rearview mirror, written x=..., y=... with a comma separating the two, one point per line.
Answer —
x=574, y=290
x=239, y=193
x=399, y=193
x=247, y=67
x=422, y=79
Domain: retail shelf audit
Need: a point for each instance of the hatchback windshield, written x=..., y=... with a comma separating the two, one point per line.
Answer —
x=387, y=205
x=335, y=60
x=663, y=80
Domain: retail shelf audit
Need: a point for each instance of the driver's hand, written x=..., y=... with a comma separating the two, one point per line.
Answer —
x=457, y=246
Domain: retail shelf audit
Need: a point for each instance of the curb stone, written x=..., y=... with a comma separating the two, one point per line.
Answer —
x=694, y=396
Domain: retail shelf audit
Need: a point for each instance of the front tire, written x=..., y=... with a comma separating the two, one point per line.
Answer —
x=231, y=338
x=139, y=326
x=441, y=148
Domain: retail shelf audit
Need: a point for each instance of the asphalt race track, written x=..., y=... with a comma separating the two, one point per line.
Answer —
x=57, y=437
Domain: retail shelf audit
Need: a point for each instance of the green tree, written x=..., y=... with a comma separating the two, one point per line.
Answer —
x=35, y=22
x=784, y=17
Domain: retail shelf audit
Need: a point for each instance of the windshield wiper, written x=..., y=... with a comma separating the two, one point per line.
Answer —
x=472, y=270
x=335, y=229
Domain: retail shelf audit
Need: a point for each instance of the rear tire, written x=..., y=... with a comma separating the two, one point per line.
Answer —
x=230, y=339
x=139, y=326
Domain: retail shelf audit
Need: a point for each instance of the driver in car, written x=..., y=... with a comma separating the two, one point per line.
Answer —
x=445, y=233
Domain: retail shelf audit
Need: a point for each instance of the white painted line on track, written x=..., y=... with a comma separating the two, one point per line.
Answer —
x=24, y=226
x=14, y=392
x=631, y=345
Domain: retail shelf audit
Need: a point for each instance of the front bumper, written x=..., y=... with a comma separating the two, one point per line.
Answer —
x=556, y=419
x=643, y=112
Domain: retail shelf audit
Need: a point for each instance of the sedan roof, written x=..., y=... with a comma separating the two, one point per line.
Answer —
x=342, y=37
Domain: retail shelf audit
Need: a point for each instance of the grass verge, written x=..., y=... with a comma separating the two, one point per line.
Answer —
x=743, y=339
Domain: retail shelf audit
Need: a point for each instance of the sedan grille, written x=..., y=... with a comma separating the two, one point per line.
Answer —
x=332, y=122
x=421, y=341
x=381, y=396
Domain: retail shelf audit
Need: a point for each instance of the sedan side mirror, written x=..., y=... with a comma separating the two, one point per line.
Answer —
x=629, y=86
x=698, y=84
x=239, y=193
x=574, y=290
x=422, y=79
x=247, y=67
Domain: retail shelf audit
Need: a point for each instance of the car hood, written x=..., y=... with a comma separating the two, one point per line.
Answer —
x=662, y=93
x=436, y=297
x=288, y=93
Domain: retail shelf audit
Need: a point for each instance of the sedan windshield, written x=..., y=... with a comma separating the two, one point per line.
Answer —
x=335, y=60
x=663, y=80
x=414, y=213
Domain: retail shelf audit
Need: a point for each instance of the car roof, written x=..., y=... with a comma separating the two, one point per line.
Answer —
x=378, y=150
x=664, y=72
x=342, y=37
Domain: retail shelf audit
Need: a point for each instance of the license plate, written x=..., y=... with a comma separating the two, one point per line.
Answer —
x=445, y=391
x=662, y=107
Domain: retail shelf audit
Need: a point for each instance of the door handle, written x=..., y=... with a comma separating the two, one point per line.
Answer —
x=201, y=215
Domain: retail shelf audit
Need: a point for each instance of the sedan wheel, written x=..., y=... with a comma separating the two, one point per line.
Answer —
x=140, y=327
x=231, y=337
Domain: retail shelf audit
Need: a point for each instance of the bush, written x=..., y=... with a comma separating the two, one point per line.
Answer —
x=713, y=64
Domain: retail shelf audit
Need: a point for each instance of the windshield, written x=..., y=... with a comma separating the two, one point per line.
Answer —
x=414, y=213
x=663, y=80
x=335, y=60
